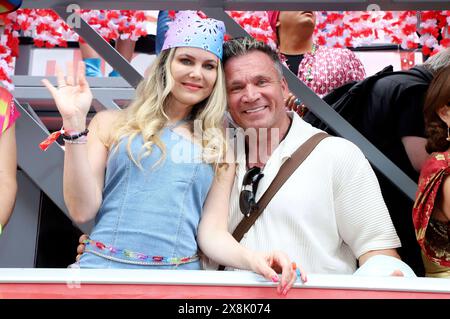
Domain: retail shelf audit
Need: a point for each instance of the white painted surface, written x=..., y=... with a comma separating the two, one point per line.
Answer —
x=215, y=278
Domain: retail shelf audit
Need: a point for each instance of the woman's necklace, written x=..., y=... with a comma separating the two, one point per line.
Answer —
x=308, y=74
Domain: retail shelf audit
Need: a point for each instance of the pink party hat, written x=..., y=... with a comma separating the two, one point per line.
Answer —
x=188, y=29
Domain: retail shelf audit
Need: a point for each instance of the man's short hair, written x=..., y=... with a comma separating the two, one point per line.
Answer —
x=245, y=45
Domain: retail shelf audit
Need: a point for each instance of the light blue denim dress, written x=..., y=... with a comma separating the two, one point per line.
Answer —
x=149, y=217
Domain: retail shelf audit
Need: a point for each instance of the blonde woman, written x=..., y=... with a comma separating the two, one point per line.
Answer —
x=143, y=173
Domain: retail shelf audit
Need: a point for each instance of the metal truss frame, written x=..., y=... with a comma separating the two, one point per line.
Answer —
x=350, y=5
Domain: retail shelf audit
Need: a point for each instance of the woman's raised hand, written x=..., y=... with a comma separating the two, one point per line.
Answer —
x=73, y=97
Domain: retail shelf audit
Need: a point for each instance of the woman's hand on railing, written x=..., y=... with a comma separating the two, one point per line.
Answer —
x=81, y=246
x=273, y=263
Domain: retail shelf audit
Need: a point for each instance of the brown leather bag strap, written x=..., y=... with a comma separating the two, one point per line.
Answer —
x=286, y=170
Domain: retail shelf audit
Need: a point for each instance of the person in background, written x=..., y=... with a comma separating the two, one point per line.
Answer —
x=124, y=47
x=321, y=68
x=391, y=118
x=132, y=22
x=8, y=158
x=93, y=60
x=144, y=174
x=161, y=29
x=431, y=211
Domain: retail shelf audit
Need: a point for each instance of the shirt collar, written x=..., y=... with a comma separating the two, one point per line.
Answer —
x=298, y=133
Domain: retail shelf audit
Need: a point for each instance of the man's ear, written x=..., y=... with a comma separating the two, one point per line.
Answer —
x=444, y=114
x=284, y=87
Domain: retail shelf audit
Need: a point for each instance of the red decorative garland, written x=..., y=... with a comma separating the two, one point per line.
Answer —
x=356, y=28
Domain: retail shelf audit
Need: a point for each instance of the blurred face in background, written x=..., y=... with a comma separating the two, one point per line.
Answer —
x=291, y=21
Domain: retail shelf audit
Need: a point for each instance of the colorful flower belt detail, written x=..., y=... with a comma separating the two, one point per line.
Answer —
x=114, y=253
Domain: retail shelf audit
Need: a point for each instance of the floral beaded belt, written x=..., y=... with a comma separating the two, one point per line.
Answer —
x=130, y=257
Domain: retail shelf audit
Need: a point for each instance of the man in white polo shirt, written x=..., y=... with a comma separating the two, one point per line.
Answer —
x=330, y=213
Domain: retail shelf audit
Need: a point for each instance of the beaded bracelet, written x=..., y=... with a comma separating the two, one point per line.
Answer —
x=82, y=140
x=45, y=144
x=74, y=136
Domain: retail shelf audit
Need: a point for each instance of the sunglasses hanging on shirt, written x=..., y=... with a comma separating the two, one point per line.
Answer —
x=247, y=201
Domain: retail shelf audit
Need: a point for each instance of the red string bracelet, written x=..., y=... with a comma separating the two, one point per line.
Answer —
x=45, y=144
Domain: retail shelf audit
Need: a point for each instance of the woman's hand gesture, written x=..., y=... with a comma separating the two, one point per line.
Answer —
x=73, y=97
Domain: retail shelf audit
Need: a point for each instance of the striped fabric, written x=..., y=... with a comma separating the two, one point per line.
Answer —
x=8, y=112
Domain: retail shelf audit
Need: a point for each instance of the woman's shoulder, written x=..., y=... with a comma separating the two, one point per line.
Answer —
x=107, y=116
x=104, y=122
x=436, y=161
x=438, y=157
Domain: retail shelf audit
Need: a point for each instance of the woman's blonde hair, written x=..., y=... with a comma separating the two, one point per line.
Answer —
x=146, y=114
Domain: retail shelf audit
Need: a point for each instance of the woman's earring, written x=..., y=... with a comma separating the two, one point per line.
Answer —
x=448, y=134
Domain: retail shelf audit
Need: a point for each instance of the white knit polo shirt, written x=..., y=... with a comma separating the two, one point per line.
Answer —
x=327, y=214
